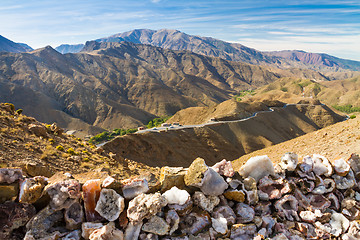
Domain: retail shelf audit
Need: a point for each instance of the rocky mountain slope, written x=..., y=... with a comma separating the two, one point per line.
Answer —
x=122, y=85
x=223, y=140
x=41, y=149
x=69, y=48
x=7, y=45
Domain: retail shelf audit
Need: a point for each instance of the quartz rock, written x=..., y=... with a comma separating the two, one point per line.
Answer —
x=345, y=182
x=318, y=202
x=353, y=232
x=74, y=216
x=176, y=196
x=224, y=168
x=156, y=225
x=31, y=189
x=9, y=192
x=205, y=202
x=195, y=173
x=108, y=232
x=271, y=188
x=10, y=175
x=184, y=209
x=63, y=194
x=110, y=204
x=38, y=129
x=173, y=219
x=132, y=231
x=219, y=225
x=88, y=228
x=40, y=224
x=74, y=235
x=110, y=182
x=225, y=212
x=91, y=193
x=14, y=215
x=287, y=208
x=307, y=164
x=321, y=166
x=354, y=161
x=172, y=177
x=144, y=206
x=308, y=216
x=195, y=222
x=339, y=224
x=289, y=161
x=257, y=167
x=235, y=195
x=324, y=186
x=244, y=213
x=243, y=231
x=134, y=187
x=341, y=167
x=148, y=236
x=212, y=183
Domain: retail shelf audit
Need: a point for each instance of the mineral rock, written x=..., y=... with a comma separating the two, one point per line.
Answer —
x=134, y=187
x=318, y=202
x=74, y=216
x=345, y=182
x=173, y=219
x=56, y=130
x=8, y=192
x=40, y=224
x=88, y=228
x=63, y=193
x=307, y=164
x=257, y=167
x=10, y=175
x=235, y=195
x=321, y=166
x=31, y=189
x=156, y=225
x=14, y=215
x=243, y=231
x=339, y=224
x=226, y=212
x=74, y=235
x=110, y=182
x=184, y=209
x=219, y=225
x=244, y=213
x=110, y=204
x=172, y=176
x=176, y=196
x=144, y=206
x=108, y=232
x=287, y=207
x=132, y=231
x=289, y=161
x=213, y=184
x=91, y=193
x=353, y=232
x=148, y=236
x=341, y=167
x=205, y=202
x=271, y=188
x=224, y=168
x=325, y=186
x=195, y=173
x=195, y=222
x=354, y=161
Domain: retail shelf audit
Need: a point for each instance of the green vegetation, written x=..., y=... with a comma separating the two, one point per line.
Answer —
x=19, y=111
x=106, y=136
x=347, y=108
x=60, y=148
x=71, y=151
x=352, y=116
x=157, y=122
x=243, y=93
x=304, y=84
x=284, y=89
x=316, y=89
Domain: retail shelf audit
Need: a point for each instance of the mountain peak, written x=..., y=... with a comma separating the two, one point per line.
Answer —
x=7, y=45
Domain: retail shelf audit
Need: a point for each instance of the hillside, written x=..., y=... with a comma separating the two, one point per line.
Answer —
x=38, y=150
x=222, y=140
x=7, y=45
x=69, y=48
x=333, y=142
x=122, y=85
x=339, y=92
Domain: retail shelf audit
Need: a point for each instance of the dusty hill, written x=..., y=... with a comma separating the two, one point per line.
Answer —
x=40, y=150
x=334, y=142
x=7, y=45
x=222, y=140
x=339, y=92
x=121, y=85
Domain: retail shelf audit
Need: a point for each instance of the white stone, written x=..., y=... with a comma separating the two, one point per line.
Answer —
x=110, y=204
x=132, y=231
x=289, y=161
x=257, y=167
x=339, y=224
x=220, y=225
x=88, y=227
x=108, y=232
x=213, y=183
x=176, y=196
x=321, y=166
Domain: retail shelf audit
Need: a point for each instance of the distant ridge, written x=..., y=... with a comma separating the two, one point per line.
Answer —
x=68, y=48
x=7, y=45
x=176, y=40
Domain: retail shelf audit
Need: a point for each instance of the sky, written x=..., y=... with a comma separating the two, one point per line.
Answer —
x=322, y=26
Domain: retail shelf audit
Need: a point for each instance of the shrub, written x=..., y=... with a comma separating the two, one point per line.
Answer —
x=347, y=108
x=19, y=111
x=11, y=106
x=60, y=148
x=284, y=89
x=71, y=151
x=51, y=140
x=352, y=116
x=157, y=122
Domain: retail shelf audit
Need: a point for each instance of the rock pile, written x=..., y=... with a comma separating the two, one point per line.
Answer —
x=312, y=199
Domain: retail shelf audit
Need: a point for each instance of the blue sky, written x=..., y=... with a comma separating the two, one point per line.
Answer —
x=331, y=26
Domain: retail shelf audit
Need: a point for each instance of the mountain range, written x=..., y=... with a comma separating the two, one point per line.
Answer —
x=7, y=45
x=176, y=40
